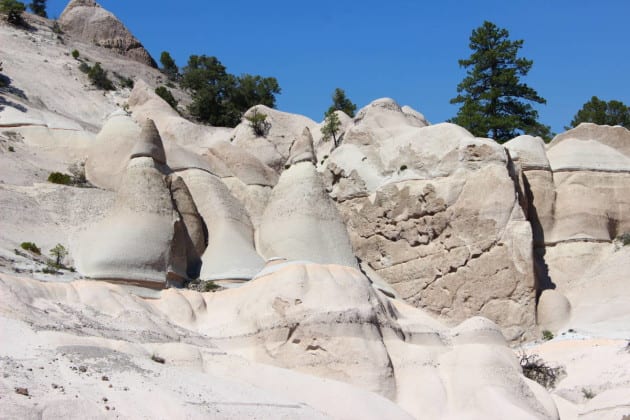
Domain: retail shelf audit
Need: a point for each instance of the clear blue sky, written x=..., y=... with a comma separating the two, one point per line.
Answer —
x=403, y=49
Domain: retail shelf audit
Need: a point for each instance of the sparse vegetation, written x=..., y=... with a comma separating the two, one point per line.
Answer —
x=84, y=68
x=588, y=394
x=75, y=54
x=169, y=68
x=342, y=103
x=56, y=28
x=158, y=359
x=258, y=123
x=4, y=81
x=12, y=10
x=547, y=335
x=38, y=7
x=209, y=286
x=30, y=246
x=624, y=239
x=77, y=170
x=403, y=168
x=60, y=178
x=537, y=370
x=11, y=149
x=99, y=78
x=59, y=252
x=331, y=126
x=167, y=95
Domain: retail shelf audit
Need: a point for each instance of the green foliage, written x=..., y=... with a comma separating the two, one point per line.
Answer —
x=59, y=178
x=166, y=94
x=624, y=238
x=403, y=168
x=342, y=103
x=258, y=123
x=77, y=170
x=494, y=102
x=11, y=149
x=99, y=78
x=30, y=246
x=331, y=126
x=75, y=54
x=125, y=82
x=59, y=252
x=209, y=286
x=537, y=370
x=547, y=335
x=169, y=68
x=13, y=10
x=56, y=28
x=84, y=68
x=603, y=113
x=220, y=98
x=38, y=7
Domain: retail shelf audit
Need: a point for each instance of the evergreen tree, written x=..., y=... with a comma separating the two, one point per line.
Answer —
x=331, y=126
x=494, y=101
x=603, y=113
x=169, y=68
x=167, y=95
x=13, y=10
x=38, y=7
x=342, y=103
x=220, y=98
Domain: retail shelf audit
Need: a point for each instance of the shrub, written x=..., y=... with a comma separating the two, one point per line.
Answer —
x=258, y=123
x=78, y=173
x=209, y=286
x=59, y=252
x=547, y=335
x=75, y=54
x=588, y=394
x=30, y=246
x=624, y=238
x=13, y=10
x=403, y=168
x=166, y=94
x=56, y=28
x=59, y=178
x=536, y=369
x=99, y=78
x=125, y=82
x=84, y=68
x=11, y=149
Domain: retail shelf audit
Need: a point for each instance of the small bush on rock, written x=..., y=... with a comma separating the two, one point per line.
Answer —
x=75, y=54
x=30, y=246
x=99, y=78
x=547, y=335
x=258, y=123
x=12, y=10
x=59, y=178
x=166, y=94
x=537, y=370
x=624, y=238
x=59, y=252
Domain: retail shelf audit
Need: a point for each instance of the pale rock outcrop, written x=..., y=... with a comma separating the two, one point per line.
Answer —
x=272, y=148
x=108, y=154
x=230, y=254
x=438, y=214
x=301, y=222
x=87, y=20
x=145, y=103
x=145, y=239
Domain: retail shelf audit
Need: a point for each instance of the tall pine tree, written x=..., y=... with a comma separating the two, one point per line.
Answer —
x=494, y=101
x=38, y=7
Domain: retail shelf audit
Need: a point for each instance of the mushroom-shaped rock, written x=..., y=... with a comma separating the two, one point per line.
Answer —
x=134, y=242
x=150, y=143
x=230, y=254
x=302, y=149
x=302, y=223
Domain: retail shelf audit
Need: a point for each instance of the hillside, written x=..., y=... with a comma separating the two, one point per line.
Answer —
x=212, y=272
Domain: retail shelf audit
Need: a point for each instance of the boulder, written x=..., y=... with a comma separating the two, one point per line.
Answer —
x=87, y=20
x=230, y=254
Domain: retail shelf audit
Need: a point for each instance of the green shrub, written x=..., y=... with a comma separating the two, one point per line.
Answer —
x=30, y=246
x=258, y=123
x=403, y=168
x=59, y=252
x=11, y=149
x=99, y=78
x=75, y=54
x=166, y=94
x=624, y=238
x=13, y=10
x=56, y=28
x=547, y=335
x=209, y=286
x=59, y=178
x=84, y=68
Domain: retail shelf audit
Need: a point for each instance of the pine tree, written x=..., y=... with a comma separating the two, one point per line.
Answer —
x=169, y=67
x=331, y=126
x=603, y=113
x=38, y=7
x=342, y=103
x=495, y=103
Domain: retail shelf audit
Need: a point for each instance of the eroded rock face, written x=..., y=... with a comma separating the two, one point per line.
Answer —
x=436, y=213
x=87, y=20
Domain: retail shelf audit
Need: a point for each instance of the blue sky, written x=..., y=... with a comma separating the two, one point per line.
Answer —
x=403, y=49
